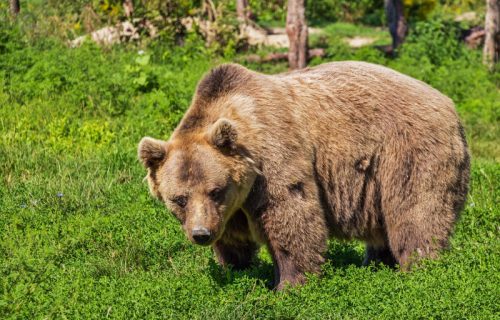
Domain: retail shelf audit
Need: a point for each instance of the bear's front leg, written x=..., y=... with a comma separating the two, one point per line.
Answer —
x=236, y=247
x=286, y=270
x=238, y=255
x=296, y=234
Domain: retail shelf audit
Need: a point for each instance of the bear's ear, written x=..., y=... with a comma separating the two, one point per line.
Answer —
x=152, y=152
x=223, y=134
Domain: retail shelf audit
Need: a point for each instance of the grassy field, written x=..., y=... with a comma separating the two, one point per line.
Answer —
x=80, y=237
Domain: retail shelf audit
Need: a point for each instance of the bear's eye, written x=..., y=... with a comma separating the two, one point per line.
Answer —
x=217, y=194
x=181, y=201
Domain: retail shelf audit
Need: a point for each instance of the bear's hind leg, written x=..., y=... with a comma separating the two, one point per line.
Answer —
x=421, y=199
x=410, y=242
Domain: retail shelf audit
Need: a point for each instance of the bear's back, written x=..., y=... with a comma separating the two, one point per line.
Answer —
x=372, y=88
x=342, y=104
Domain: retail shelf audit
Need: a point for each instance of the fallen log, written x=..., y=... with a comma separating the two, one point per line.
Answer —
x=278, y=56
x=125, y=31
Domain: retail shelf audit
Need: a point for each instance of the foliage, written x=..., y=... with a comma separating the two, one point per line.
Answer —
x=370, y=12
x=365, y=11
x=418, y=9
x=322, y=11
x=80, y=237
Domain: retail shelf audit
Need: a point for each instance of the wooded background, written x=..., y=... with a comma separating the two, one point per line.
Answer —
x=208, y=18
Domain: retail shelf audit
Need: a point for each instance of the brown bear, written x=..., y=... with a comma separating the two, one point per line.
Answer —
x=350, y=150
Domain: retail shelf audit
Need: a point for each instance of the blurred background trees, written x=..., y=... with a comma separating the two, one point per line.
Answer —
x=492, y=36
x=237, y=26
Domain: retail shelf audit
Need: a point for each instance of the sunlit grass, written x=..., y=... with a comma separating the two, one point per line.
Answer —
x=80, y=236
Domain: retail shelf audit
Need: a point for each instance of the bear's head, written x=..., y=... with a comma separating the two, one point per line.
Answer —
x=202, y=177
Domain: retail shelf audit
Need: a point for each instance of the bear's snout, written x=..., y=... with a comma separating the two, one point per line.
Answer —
x=201, y=235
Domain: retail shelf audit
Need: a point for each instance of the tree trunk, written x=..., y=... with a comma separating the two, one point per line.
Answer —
x=15, y=7
x=296, y=29
x=491, y=50
x=396, y=21
x=243, y=10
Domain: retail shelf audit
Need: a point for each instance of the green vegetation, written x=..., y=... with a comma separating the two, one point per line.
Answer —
x=80, y=237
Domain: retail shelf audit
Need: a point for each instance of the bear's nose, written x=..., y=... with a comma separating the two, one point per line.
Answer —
x=201, y=235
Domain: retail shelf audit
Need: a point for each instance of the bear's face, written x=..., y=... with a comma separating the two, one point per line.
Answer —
x=201, y=178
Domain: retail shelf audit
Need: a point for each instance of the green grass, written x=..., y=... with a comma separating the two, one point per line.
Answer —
x=80, y=237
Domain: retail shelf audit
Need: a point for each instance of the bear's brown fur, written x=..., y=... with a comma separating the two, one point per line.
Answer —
x=349, y=150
